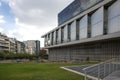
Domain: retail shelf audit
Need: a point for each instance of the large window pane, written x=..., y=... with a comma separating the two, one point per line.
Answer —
x=97, y=22
x=114, y=17
x=83, y=27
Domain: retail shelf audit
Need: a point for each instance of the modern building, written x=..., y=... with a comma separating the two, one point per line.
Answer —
x=88, y=29
x=20, y=47
x=37, y=47
x=32, y=46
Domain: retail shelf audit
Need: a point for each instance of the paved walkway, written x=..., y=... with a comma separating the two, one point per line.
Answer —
x=79, y=70
x=113, y=76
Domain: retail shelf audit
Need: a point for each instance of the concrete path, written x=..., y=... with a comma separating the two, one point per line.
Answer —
x=79, y=70
x=113, y=76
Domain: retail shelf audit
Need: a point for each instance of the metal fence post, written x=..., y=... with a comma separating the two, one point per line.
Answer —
x=99, y=72
x=104, y=69
x=109, y=68
x=85, y=75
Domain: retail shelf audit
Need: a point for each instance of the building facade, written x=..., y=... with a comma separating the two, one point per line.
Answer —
x=7, y=44
x=12, y=45
x=20, y=47
x=92, y=33
x=4, y=43
x=32, y=46
x=37, y=47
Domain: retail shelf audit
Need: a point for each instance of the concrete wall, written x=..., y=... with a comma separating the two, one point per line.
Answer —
x=114, y=17
x=96, y=51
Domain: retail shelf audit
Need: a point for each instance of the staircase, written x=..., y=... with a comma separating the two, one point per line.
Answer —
x=103, y=69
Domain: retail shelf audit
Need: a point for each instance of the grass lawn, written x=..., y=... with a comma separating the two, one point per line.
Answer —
x=37, y=71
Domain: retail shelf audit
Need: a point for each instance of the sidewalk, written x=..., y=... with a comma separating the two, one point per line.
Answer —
x=113, y=76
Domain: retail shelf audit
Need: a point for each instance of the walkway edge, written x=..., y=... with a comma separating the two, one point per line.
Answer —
x=82, y=74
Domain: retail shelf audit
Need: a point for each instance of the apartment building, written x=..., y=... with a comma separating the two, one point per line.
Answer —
x=7, y=44
x=87, y=30
x=4, y=43
x=12, y=45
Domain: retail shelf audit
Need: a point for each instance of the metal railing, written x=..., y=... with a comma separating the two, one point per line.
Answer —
x=101, y=70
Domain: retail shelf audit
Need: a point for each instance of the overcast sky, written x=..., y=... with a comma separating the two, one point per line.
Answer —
x=29, y=19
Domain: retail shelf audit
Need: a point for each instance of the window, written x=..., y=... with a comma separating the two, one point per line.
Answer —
x=62, y=34
x=77, y=29
x=56, y=36
x=69, y=32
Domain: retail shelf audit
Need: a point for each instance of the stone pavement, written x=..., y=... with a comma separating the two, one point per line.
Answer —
x=113, y=76
x=79, y=69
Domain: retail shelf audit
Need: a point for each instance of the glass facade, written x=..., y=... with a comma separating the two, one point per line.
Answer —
x=59, y=36
x=77, y=29
x=69, y=32
x=54, y=39
x=65, y=33
x=56, y=36
x=83, y=27
x=114, y=17
x=62, y=34
x=37, y=47
x=73, y=31
x=75, y=8
x=97, y=22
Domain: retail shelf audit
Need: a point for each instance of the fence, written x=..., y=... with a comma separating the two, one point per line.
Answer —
x=103, y=69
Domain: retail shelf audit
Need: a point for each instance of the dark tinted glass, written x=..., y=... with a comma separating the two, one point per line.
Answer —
x=75, y=8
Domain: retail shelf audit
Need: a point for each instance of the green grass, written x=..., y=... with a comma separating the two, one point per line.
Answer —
x=37, y=71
